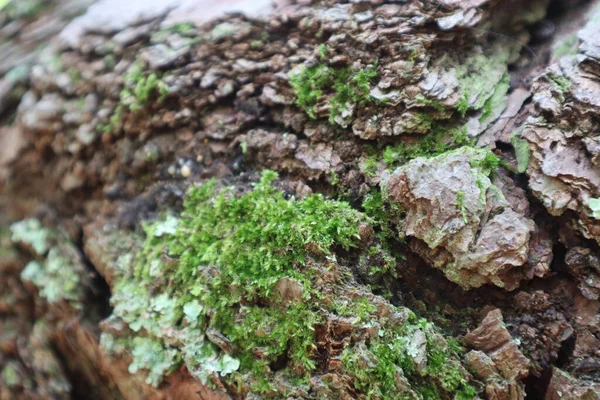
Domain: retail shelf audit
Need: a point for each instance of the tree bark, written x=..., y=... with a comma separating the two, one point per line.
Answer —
x=299, y=199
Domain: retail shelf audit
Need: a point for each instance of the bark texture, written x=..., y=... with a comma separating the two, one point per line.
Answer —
x=299, y=199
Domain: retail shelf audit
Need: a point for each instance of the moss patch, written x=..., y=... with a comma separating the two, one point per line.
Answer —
x=347, y=87
x=439, y=141
x=237, y=286
x=140, y=86
x=231, y=253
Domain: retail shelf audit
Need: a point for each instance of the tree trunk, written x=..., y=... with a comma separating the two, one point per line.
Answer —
x=299, y=199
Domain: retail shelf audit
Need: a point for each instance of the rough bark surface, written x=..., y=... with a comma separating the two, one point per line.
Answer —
x=319, y=199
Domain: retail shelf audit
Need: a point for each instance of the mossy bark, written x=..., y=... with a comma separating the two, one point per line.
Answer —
x=316, y=200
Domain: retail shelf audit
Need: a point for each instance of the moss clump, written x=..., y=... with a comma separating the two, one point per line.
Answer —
x=348, y=87
x=463, y=104
x=383, y=214
x=562, y=84
x=413, y=352
x=370, y=167
x=231, y=252
x=439, y=141
x=139, y=87
x=234, y=286
x=486, y=161
x=436, y=105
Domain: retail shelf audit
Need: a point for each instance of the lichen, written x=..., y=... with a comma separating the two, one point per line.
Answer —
x=56, y=270
x=491, y=69
x=32, y=233
x=566, y=47
x=594, y=205
x=497, y=102
x=460, y=203
x=521, y=147
x=57, y=277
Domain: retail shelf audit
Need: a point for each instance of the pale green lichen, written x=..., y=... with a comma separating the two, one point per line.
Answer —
x=57, y=271
x=10, y=375
x=32, y=233
x=566, y=47
x=58, y=276
x=521, y=147
x=494, y=106
x=223, y=30
x=491, y=70
x=460, y=203
x=594, y=205
x=151, y=356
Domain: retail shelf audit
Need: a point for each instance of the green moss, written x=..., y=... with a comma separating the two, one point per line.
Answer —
x=371, y=165
x=183, y=28
x=436, y=105
x=486, y=161
x=392, y=355
x=231, y=252
x=218, y=266
x=382, y=213
x=348, y=87
x=322, y=51
x=562, y=84
x=521, y=147
x=439, y=141
x=463, y=105
x=139, y=87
